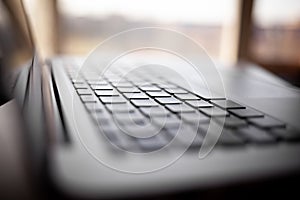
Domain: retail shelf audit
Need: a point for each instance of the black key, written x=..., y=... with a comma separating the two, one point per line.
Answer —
x=122, y=84
x=129, y=90
x=112, y=100
x=145, y=130
x=136, y=96
x=93, y=75
x=102, y=87
x=120, y=108
x=102, y=119
x=227, y=104
x=232, y=122
x=186, y=136
x=246, y=113
x=84, y=91
x=158, y=94
x=80, y=86
x=110, y=133
x=106, y=93
x=167, y=86
x=97, y=82
x=78, y=81
x=227, y=138
x=116, y=79
x=143, y=83
x=253, y=134
x=194, y=118
x=288, y=133
x=134, y=119
x=150, y=88
x=155, y=111
x=214, y=112
x=187, y=97
x=208, y=95
x=116, y=138
x=176, y=91
x=152, y=143
x=266, y=122
x=168, y=100
x=202, y=129
x=111, y=77
x=144, y=103
x=199, y=104
x=88, y=98
x=198, y=141
x=168, y=122
x=94, y=107
x=179, y=108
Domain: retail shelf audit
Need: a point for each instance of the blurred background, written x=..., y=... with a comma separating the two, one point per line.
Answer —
x=266, y=32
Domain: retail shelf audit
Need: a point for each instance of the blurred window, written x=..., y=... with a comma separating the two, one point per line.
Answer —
x=84, y=24
x=276, y=34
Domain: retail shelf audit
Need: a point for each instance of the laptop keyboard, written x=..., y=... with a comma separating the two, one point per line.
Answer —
x=136, y=105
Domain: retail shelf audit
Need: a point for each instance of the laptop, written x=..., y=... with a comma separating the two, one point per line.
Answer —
x=138, y=124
